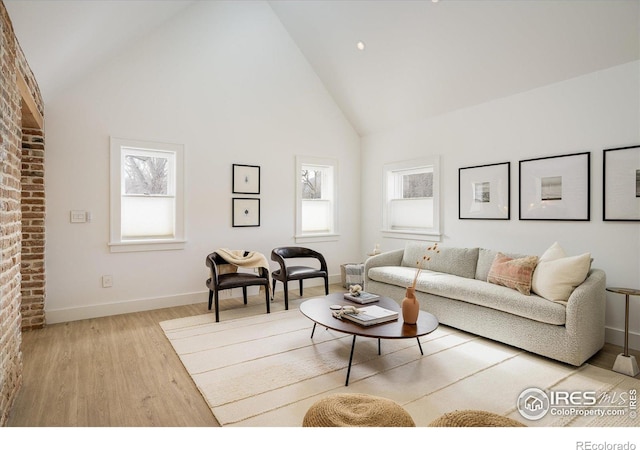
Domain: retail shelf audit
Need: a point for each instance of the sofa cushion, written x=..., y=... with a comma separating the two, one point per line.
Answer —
x=473, y=291
x=394, y=275
x=485, y=260
x=452, y=260
x=557, y=275
x=514, y=273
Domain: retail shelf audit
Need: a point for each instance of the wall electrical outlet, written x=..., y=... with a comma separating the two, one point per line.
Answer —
x=107, y=281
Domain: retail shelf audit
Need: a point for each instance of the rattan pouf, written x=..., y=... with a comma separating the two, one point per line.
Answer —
x=356, y=410
x=474, y=418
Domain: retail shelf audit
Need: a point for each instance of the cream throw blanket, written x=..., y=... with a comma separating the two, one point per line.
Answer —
x=237, y=259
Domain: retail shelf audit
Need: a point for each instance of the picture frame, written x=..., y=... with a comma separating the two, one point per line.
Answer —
x=484, y=192
x=556, y=188
x=246, y=179
x=621, y=184
x=245, y=212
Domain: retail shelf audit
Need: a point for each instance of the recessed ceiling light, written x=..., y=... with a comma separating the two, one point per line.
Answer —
x=360, y=45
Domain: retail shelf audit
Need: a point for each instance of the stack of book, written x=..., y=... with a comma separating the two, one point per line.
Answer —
x=372, y=315
x=363, y=297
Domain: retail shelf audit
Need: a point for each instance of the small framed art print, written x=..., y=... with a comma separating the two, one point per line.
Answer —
x=246, y=179
x=483, y=192
x=621, y=184
x=246, y=212
x=556, y=187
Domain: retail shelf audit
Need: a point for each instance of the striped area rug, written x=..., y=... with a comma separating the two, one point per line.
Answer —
x=266, y=371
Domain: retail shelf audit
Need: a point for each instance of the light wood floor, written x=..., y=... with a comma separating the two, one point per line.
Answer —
x=122, y=371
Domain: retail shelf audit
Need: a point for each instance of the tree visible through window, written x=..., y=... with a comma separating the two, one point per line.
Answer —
x=417, y=185
x=411, y=204
x=145, y=175
x=316, y=197
x=311, y=184
x=146, y=195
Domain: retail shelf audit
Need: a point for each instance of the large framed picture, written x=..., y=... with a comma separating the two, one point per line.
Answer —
x=556, y=187
x=246, y=212
x=621, y=184
x=246, y=179
x=483, y=192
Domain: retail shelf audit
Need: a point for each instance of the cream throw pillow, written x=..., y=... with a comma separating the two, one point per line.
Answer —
x=557, y=275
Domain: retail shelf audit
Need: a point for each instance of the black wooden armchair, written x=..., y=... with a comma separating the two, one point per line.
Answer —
x=222, y=278
x=289, y=273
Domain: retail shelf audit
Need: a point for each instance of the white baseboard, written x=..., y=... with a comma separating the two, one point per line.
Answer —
x=148, y=304
x=616, y=337
x=124, y=307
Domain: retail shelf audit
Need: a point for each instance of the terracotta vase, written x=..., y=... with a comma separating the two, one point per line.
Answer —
x=410, y=306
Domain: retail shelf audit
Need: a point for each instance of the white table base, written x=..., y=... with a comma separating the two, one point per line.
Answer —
x=626, y=365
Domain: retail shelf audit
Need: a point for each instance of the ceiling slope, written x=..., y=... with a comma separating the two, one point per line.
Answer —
x=422, y=59
x=65, y=40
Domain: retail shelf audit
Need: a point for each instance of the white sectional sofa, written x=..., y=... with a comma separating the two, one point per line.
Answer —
x=454, y=288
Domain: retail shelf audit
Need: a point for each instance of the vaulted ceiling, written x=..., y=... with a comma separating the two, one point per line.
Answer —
x=421, y=58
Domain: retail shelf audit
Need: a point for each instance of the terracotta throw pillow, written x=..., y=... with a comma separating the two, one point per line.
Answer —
x=513, y=273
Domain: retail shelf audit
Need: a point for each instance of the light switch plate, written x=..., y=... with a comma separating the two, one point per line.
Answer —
x=78, y=216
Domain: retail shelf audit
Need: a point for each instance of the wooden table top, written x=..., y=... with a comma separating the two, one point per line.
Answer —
x=317, y=309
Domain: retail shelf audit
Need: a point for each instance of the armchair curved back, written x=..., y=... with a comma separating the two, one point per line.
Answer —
x=212, y=261
x=279, y=255
x=290, y=273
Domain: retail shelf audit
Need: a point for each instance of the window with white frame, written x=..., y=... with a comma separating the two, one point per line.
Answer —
x=411, y=206
x=316, y=199
x=147, y=206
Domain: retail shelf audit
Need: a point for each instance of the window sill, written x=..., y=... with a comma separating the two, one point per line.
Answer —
x=413, y=235
x=146, y=246
x=310, y=238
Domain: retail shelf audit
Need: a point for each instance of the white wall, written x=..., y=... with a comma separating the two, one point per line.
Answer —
x=226, y=80
x=590, y=113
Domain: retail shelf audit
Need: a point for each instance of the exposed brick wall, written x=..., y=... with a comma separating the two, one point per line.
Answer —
x=12, y=63
x=33, y=213
x=10, y=228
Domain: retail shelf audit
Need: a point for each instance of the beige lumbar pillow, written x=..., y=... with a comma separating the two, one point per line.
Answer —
x=557, y=275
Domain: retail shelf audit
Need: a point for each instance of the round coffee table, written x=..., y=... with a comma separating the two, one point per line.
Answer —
x=317, y=309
